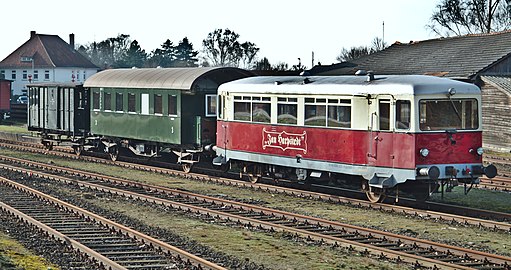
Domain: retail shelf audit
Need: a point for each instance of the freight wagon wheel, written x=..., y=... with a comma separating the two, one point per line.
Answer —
x=78, y=149
x=48, y=145
x=187, y=167
x=114, y=153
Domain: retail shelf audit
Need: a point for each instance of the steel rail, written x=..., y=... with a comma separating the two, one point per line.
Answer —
x=384, y=207
x=502, y=260
x=195, y=260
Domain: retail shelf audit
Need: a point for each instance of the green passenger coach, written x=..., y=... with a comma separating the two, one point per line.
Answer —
x=154, y=110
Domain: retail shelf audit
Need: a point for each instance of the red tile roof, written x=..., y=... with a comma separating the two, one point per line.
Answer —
x=48, y=51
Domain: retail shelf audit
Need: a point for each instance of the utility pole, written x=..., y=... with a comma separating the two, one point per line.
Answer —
x=383, y=36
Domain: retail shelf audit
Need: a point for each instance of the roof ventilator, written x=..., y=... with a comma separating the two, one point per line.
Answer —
x=306, y=81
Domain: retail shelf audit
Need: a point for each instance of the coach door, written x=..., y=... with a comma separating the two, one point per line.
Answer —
x=380, y=141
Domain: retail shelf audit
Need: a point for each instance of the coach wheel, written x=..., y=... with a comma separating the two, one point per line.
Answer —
x=187, y=167
x=78, y=149
x=48, y=145
x=114, y=153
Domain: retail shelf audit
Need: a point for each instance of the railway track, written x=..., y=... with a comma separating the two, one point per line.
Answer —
x=367, y=241
x=109, y=244
x=458, y=214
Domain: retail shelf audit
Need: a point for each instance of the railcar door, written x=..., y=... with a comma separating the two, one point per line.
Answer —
x=380, y=139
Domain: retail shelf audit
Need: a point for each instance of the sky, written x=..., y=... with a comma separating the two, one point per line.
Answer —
x=284, y=30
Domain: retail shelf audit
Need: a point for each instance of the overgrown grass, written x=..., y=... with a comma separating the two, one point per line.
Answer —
x=14, y=126
x=13, y=254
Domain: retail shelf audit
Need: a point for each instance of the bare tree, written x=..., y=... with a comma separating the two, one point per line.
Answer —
x=222, y=48
x=356, y=52
x=460, y=17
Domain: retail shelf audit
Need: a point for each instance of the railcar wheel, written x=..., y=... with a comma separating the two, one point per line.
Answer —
x=187, y=167
x=253, y=178
x=114, y=153
x=375, y=195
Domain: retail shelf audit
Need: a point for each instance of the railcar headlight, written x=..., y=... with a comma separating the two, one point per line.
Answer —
x=424, y=152
x=480, y=151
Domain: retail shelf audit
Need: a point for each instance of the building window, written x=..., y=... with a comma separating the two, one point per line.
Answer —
x=172, y=105
x=210, y=105
x=36, y=75
x=46, y=75
x=158, y=108
x=84, y=75
x=131, y=103
x=25, y=75
x=95, y=100
x=2, y=74
x=107, y=105
x=13, y=75
x=287, y=111
x=119, y=106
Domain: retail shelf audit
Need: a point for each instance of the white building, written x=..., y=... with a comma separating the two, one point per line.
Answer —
x=45, y=58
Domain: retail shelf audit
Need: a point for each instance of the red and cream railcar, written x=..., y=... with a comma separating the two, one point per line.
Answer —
x=411, y=132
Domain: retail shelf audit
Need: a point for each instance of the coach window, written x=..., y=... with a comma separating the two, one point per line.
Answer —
x=403, y=114
x=287, y=109
x=119, y=104
x=132, y=103
x=384, y=110
x=107, y=104
x=95, y=100
x=210, y=105
x=158, y=106
x=339, y=113
x=172, y=105
x=315, y=112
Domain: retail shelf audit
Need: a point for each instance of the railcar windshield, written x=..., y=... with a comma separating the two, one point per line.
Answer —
x=449, y=114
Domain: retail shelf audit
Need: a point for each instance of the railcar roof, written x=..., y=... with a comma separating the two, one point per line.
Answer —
x=350, y=85
x=163, y=78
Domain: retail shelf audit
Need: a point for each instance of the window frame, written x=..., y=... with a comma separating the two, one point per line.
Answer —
x=211, y=105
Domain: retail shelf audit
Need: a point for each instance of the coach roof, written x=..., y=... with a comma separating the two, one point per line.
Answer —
x=349, y=85
x=166, y=78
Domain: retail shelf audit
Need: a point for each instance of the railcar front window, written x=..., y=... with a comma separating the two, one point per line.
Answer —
x=449, y=114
